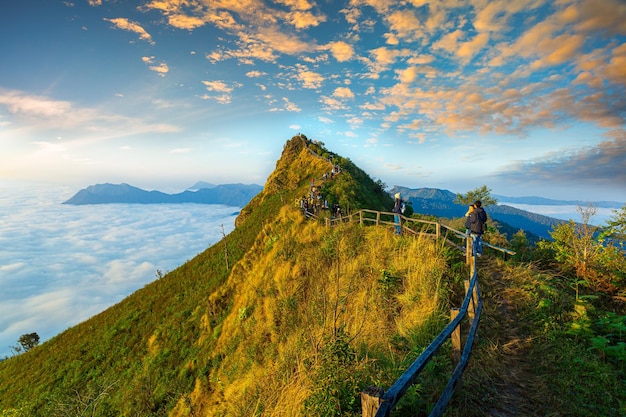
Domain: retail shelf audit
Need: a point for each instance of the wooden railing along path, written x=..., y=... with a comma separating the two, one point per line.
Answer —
x=376, y=402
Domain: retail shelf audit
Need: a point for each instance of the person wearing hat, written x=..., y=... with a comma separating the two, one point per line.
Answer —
x=398, y=208
x=477, y=223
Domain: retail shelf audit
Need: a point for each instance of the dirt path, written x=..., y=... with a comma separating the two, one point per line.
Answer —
x=500, y=380
x=517, y=379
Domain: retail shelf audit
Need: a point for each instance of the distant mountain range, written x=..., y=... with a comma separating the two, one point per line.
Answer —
x=203, y=193
x=430, y=201
x=440, y=203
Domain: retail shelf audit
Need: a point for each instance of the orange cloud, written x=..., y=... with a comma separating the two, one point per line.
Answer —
x=343, y=92
x=303, y=20
x=616, y=68
x=605, y=15
x=310, y=79
x=125, y=24
x=340, y=50
x=468, y=49
x=558, y=50
x=450, y=41
x=181, y=21
x=405, y=24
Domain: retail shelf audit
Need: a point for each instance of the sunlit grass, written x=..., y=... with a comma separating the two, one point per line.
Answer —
x=294, y=294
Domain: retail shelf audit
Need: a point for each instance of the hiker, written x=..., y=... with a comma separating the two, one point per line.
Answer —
x=398, y=208
x=467, y=219
x=304, y=205
x=336, y=210
x=478, y=225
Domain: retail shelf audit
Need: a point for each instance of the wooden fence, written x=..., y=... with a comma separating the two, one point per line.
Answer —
x=377, y=402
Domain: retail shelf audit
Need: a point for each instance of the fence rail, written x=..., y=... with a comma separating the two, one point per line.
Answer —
x=375, y=401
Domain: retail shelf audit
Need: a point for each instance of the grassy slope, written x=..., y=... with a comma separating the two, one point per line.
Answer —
x=170, y=345
x=537, y=354
x=304, y=317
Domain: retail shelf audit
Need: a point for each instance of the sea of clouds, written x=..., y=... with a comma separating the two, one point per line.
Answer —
x=61, y=264
x=565, y=212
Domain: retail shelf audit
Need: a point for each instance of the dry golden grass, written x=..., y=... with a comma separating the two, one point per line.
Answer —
x=300, y=285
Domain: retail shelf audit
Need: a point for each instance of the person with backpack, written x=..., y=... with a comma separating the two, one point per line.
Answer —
x=398, y=209
x=478, y=224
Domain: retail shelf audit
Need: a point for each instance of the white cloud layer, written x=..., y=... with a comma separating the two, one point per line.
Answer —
x=61, y=264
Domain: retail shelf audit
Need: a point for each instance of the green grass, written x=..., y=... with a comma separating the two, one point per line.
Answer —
x=542, y=351
x=287, y=317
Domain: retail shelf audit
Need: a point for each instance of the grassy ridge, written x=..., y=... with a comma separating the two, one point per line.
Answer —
x=287, y=317
x=314, y=315
x=188, y=343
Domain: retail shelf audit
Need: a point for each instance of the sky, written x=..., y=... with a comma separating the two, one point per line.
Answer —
x=526, y=96
x=61, y=264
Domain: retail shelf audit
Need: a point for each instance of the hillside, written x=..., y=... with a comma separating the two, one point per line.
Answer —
x=252, y=315
x=287, y=317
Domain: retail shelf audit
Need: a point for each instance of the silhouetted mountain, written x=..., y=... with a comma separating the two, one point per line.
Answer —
x=228, y=194
x=441, y=203
x=201, y=184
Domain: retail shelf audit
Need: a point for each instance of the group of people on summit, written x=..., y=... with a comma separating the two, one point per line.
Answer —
x=475, y=218
x=475, y=222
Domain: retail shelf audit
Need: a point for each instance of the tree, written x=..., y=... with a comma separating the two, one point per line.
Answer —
x=616, y=226
x=481, y=193
x=28, y=341
x=597, y=262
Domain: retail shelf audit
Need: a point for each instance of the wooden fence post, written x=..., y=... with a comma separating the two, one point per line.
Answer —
x=377, y=218
x=371, y=398
x=468, y=250
x=473, y=303
x=361, y=217
x=455, y=337
x=438, y=230
x=471, y=306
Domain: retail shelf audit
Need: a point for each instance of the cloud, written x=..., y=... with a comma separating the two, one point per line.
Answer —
x=261, y=31
x=340, y=50
x=125, y=24
x=332, y=104
x=220, y=87
x=382, y=58
x=255, y=74
x=405, y=25
x=182, y=21
x=343, y=92
x=603, y=165
x=287, y=106
x=162, y=69
x=302, y=20
x=181, y=150
x=310, y=79
x=40, y=113
x=67, y=263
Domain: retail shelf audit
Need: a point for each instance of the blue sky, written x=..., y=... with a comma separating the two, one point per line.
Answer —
x=527, y=97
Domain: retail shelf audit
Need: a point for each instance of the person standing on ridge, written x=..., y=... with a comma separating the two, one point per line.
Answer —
x=398, y=209
x=468, y=226
x=478, y=224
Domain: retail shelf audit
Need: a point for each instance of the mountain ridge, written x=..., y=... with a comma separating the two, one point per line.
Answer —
x=283, y=316
x=160, y=350
x=228, y=194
